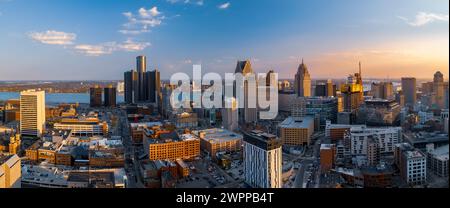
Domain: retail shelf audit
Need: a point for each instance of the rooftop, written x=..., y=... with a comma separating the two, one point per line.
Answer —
x=414, y=154
x=326, y=146
x=217, y=135
x=441, y=152
x=291, y=122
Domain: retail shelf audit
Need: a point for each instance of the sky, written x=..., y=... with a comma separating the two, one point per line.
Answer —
x=99, y=39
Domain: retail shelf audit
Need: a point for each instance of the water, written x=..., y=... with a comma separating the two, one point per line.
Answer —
x=82, y=98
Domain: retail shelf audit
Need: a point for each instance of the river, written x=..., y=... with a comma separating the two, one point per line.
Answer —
x=56, y=98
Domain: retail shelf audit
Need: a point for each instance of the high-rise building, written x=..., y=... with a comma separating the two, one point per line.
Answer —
x=141, y=67
x=353, y=92
x=324, y=88
x=262, y=160
x=400, y=98
x=120, y=87
x=303, y=81
x=153, y=86
x=298, y=107
x=379, y=112
x=96, y=96
x=142, y=86
x=131, y=83
x=32, y=113
x=248, y=114
x=110, y=96
x=382, y=90
x=230, y=115
x=10, y=171
x=323, y=108
x=438, y=90
x=409, y=89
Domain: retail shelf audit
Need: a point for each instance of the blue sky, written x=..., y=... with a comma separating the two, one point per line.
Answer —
x=99, y=39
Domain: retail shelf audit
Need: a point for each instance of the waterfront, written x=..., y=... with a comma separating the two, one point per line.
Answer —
x=55, y=98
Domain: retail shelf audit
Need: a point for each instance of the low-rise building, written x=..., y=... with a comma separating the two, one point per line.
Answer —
x=10, y=171
x=219, y=140
x=170, y=146
x=336, y=132
x=411, y=164
x=386, y=138
x=327, y=157
x=296, y=131
x=83, y=126
x=437, y=161
x=137, y=130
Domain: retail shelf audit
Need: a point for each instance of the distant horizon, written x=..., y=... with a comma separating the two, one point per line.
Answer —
x=72, y=40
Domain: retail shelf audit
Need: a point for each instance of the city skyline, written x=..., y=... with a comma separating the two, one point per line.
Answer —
x=409, y=39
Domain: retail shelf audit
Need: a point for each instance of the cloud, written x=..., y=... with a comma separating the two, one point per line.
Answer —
x=153, y=12
x=194, y=2
x=224, y=6
x=95, y=50
x=423, y=18
x=53, y=37
x=132, y=46
x=110, y=47
x=142, y=21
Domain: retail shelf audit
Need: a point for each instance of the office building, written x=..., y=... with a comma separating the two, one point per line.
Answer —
x=10, y=171
x=437, y=161
x=153, y=87
x=298, y=107
x=411, y=163
x=325, y=88
x=262, y=160
x=11, y=110
x=248, y=114
x=141, y=67
x=130, y=86
x=382, y=90
x=352, y=94
x=230, y=119
x=409, y=89
x=32, y=113
x=379, y=112
x=296, y=131
x=169, y=145
x=303, y=81
x=284, y=100
x=110, y=96
x=400, y=98
x=438, y=91
x=322, y=108
x=83, y=126
x=216, y=140
x=96, y=95
x=327, y=157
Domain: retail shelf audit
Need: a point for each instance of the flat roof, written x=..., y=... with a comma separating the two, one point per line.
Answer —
x=441, y=152
x=291, y=122
x=414, y=154
x=326, y=146
x=216, y=135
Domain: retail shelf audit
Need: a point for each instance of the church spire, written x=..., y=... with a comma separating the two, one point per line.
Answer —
x=360, y=69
